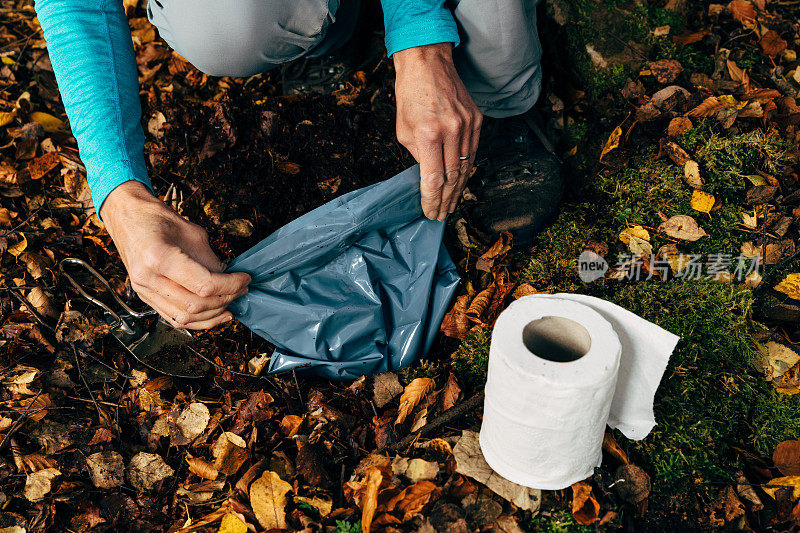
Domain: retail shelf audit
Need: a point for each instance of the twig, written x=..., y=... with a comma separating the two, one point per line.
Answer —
x=20, y=420
x=439, y=421
x=85, y=384
x=299, y=394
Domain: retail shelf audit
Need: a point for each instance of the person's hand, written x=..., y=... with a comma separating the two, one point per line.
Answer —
x=438, y=122
x=169, y=260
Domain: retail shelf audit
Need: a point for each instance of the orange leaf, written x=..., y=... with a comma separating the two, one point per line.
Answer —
x=499, y=249
x=412, y=395
x=290, y=424
x=202, y=468
x=412, y=499
x=686, y=39
x=288, y=168
x=369, y=500
x=585, y=508
x=44, y=164
x=787, y=457
x=450, y=393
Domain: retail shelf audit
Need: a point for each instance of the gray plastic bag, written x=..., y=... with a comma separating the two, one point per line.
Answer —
x=357, y=286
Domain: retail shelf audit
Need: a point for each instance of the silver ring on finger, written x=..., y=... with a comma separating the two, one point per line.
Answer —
x=464, y=157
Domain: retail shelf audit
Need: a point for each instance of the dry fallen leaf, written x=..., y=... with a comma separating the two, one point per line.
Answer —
x=44, y=164
x=147, y=469
x=229, y=452
x=268, y=500
x=369, y=498
x=450, y=393
x=456, y=324
x=471, y=463
x=790, y=286
x=412, y=395
x=106, y=469
x=193, y=420
x=676, y=153
x=612, y=142
x=238, y=227
x=480, y=303
x=202, y=468
x=50, y=123
x=691, y=175
x=772, y=44
x=411, y=500
x=666, y=70
x=682, y=227
x=39, y=484
x=777, y=359
x=787, y=457
x=791, y=482
x=585, y=508
x=742, y=10
x=678, y=126
x=633, y=483
x=702, y=201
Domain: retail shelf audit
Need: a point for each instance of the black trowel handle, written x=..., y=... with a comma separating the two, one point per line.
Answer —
x=73, y=262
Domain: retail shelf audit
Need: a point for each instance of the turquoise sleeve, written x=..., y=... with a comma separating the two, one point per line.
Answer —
x=411, y=23
x=90, y=48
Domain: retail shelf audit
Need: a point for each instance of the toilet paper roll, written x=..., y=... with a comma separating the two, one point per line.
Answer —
x=552, y=385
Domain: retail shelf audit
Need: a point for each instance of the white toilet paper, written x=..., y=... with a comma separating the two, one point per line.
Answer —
x=544, y=419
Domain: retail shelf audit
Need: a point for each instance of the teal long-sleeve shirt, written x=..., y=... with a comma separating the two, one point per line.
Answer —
x=90, y=48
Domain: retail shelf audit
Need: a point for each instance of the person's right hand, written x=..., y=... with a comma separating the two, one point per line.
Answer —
x=170, y=263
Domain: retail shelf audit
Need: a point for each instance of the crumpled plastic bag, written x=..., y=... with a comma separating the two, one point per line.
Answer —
x=355, y=287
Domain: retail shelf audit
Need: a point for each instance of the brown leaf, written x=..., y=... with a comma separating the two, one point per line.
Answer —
x=760, y=194
x=202, y=468
x=499, y=249
x=676, y=153
x=772, y=44
x=585, y=509
x=411, y=500
x=498, y=302
x=742, y=10
x=787, y=457
x=686, y=39
x=229, y=452
x=310, y=466
x=682, y=227
x=480, y=303
x=412, y=395
x=707, y=107
x=666, y=70
x=678, y=126
x=451, y=392
x=101, y=435
x=456, y=324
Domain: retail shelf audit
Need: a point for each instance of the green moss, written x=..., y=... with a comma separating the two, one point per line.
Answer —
x=575, y=132
x=471, y=360
x=556, y=522
x=422, y=369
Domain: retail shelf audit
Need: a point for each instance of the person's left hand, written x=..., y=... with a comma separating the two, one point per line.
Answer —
x=438, y=122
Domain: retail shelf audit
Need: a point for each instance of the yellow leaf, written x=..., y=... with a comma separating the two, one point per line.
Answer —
x=787, y=390
x=7, y=117
x=268, y=500
x=612, y=142
x=412, y=395
x=702, y=201
x=783, y=482
x=50, y=123
x=18, y=248
x=634, y=231
x=790, y=286
x=232, y=524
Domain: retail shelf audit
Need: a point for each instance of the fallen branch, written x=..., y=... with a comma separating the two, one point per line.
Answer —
x=439, y=421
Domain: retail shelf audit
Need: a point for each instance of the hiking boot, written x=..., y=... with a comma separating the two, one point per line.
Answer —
x=321, y=75
x=518, y=181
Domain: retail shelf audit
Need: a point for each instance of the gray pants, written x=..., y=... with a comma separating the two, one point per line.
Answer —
x=498, y=58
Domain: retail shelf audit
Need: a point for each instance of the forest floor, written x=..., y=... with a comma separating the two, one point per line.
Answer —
x=678, y=125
